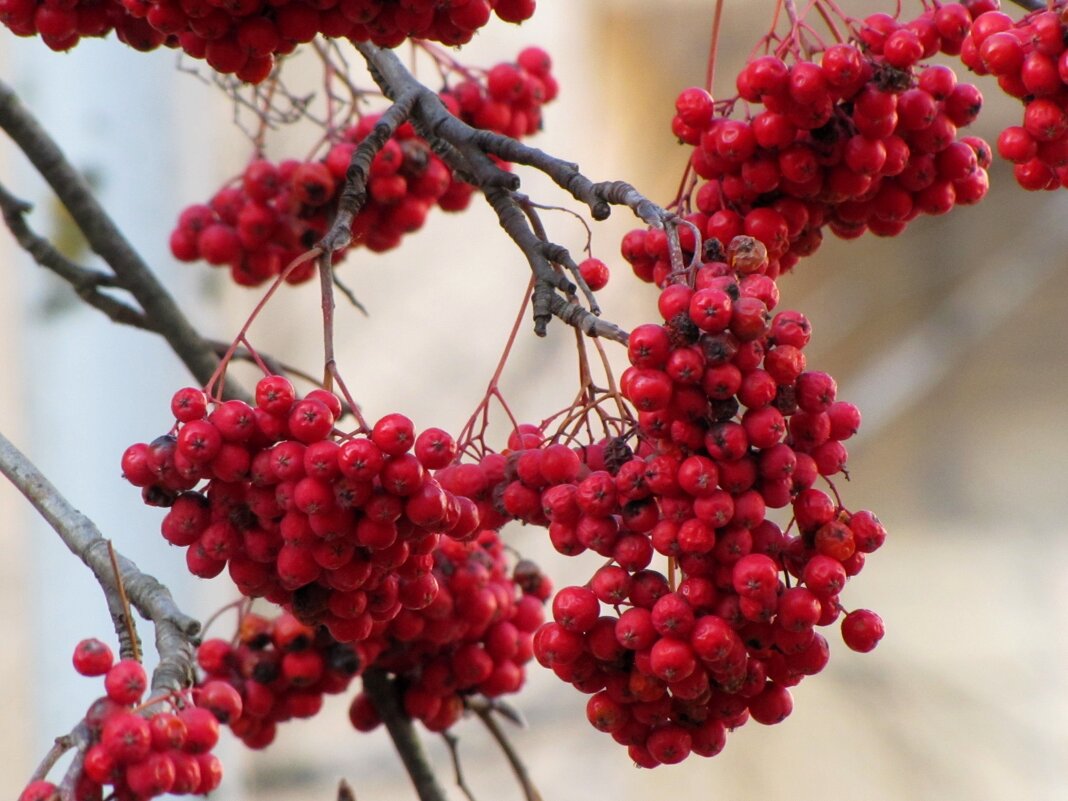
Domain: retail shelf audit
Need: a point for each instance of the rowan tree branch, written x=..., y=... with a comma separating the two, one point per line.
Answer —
x=175, y=631
x=85, y=282
x=383, y=693
x=468, y=152
x=1030, y=5
x=485, y=709
x=106, y=240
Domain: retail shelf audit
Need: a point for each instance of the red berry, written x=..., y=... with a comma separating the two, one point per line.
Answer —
x=126, y=682
x=862, y=629
x=92, y=658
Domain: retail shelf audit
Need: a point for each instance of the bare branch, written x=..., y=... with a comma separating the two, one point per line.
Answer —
x=383, y=693
x=468, y=152
x=354, y=194
x=175, y=631
x=85, y=282
x=106, y=239
x=344, y=792
x=485, y=711
x=452, y=742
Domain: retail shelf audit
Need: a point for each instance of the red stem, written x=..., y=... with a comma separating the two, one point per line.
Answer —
x=220, y=371
x=710, y=73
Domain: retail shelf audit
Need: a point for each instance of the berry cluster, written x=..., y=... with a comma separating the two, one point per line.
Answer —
x=508, y=97
x=731, y=424
x=142, y=750
x=278, y=211
x=1030, y=61
x=244, y=38
x=474, y=637
x=281, y=668
x=61, y=25
x=337, y=529
x=452, y=22
x=866, y=140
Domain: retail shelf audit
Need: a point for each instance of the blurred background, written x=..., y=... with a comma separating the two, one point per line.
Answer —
x=951, y=339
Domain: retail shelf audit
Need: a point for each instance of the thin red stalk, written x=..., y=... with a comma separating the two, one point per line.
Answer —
x=837, y=34
x=491, y=388
x=710, y=72
x=225, y=360
x=353, y=406
x=326, y=288
x=259, y=362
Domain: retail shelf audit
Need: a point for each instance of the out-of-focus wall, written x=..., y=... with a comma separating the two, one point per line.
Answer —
x=949, y=336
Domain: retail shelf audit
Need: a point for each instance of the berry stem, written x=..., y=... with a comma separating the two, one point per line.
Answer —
x=713, y=48
x=353, y=407
x=837, y=34
x=326, y=288
x=131, y=644
x=220, y=370
x=467, y=433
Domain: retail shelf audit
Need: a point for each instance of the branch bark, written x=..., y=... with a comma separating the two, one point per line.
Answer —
x=175, y=630
x=383, y=692
x=106, y=239
x=468, y=152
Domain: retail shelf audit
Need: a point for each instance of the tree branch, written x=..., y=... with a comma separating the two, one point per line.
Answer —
x=485, y=709
x=354, y=195
x=468, y=152
x=106, y=239
x=86, y=283
x=175, y=631
x=383, y=693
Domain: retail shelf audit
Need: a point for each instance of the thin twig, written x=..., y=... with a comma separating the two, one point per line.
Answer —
x=85, y=282
x=485, y=714
x=452, y=742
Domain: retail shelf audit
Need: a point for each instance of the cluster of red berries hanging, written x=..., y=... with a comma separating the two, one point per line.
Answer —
x=337, y=529
x=730, y=424
x=865, y=140
x=1030, y=61
x=137, y=750
x=244, y=38
x=281, y=669
x=62, y=25
x=475, y=637
x=278, y=211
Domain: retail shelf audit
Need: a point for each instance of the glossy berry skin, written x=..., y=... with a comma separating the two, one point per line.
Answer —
x=595, y=273
x=93, y=658
x=862, y=629
x=126, y=682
